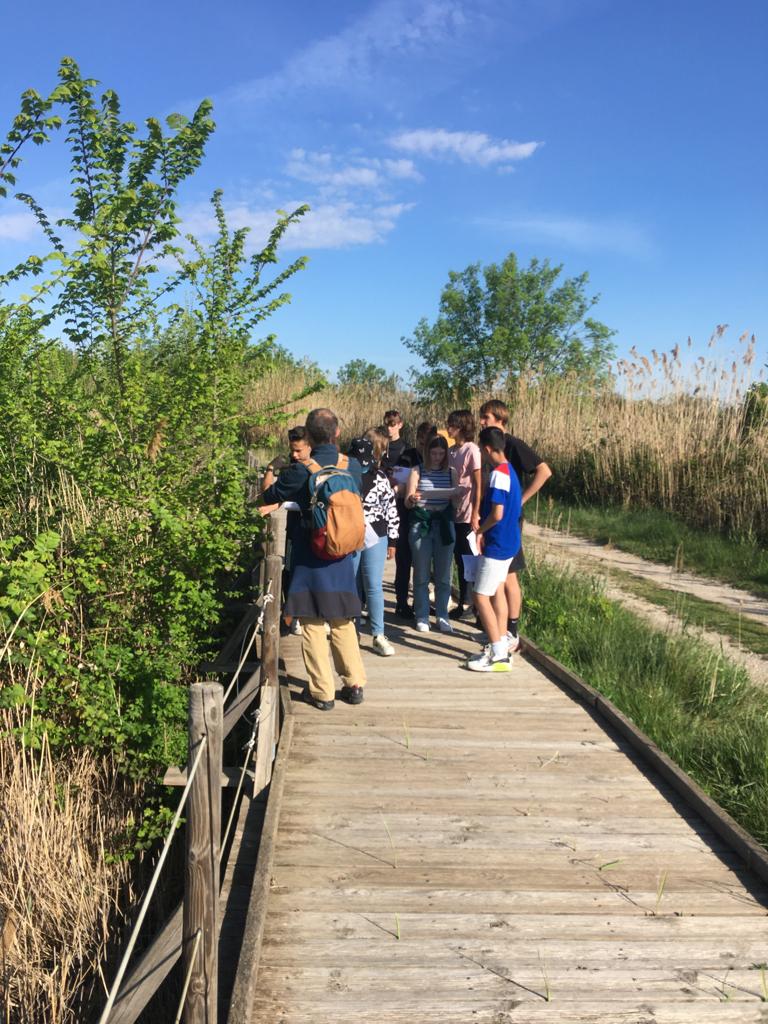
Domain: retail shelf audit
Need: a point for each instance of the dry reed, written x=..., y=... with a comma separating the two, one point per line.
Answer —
x=59, y=894
x=661, y=433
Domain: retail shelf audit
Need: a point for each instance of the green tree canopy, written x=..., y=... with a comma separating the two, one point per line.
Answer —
x=500, y=321
x=361, y=373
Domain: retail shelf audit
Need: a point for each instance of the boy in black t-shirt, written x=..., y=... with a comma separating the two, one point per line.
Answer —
x=525, y=462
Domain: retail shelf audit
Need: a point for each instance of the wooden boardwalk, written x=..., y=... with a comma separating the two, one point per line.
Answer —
x=481, y=848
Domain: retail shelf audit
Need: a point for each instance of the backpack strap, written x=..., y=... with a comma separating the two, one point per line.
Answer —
x=313, y=467
x=343, y=462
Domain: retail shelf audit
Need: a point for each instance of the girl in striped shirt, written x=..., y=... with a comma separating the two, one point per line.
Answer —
x=431, y=491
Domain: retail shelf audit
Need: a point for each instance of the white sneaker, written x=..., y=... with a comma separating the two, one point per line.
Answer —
x=295, y=628
x=513, y=642
x=488, y=663
x=382, y=646
x=444, y=626
x=422, y=626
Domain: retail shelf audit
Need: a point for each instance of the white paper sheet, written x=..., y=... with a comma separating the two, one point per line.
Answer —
x=472, y=542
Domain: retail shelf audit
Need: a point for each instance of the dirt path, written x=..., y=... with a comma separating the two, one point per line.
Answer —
x=569, y=550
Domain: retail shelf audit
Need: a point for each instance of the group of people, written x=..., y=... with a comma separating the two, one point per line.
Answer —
x=445, y=500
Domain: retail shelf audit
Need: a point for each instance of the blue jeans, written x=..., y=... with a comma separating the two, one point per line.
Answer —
x=370, y=576
x=427, y=551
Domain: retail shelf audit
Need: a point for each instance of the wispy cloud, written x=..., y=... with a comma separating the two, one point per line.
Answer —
x=330, y=225
x=469, y=147
x=588, y=235
x=323, y=168
x=391, y=28
x=18, y=227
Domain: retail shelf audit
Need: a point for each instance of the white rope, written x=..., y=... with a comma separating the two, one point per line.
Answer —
x=190, y=969
x=145, y=904
x=248, y=747
x=262, y=603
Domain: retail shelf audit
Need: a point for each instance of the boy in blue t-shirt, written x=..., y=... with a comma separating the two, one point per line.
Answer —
x=498, y=540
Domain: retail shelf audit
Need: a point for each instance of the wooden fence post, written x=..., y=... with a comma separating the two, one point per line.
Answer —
x=269, y=701
x=203, y=854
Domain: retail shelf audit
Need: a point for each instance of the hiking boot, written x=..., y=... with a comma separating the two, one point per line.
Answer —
x=488, y=662
x=351, y=694
x=382, y=646
x=321, y=705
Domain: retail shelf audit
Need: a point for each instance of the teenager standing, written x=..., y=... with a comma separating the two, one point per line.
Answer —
x=525, y=463
x=429, y=497
x=464, y=456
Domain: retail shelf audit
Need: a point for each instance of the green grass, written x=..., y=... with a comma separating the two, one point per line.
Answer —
x=693, y=611
x=661, y=537
x=696, y=705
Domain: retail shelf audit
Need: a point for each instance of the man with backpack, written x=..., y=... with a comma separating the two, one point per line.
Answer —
x=323, y=588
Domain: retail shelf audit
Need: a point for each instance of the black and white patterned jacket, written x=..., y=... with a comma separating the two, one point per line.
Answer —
x=379, y=505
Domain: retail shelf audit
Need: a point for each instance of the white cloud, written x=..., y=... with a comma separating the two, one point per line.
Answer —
x=326, y=226
x=469, y=147
x=389, y=29
x=18, y=227
x=358, y=172
x=581, y=233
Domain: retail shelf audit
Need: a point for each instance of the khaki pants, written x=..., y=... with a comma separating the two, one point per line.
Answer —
x=346, y=656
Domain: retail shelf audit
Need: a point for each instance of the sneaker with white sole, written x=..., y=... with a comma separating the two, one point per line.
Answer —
x=382, y=646
x=444, y=626
x=422, y=626
x=487, y=662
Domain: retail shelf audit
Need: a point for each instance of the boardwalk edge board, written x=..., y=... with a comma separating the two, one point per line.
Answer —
x=244, y=989
x=746, y=846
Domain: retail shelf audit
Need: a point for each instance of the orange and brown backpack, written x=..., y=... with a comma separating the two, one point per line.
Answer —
x=336, y=510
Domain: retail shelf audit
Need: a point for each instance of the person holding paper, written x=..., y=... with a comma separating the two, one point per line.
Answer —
x=498, y=539
x=432, y=488
x=466, y=460
x=381, y=532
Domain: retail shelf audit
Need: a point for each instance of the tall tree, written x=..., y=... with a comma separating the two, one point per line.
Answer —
x=500, y=321
x=361, y=373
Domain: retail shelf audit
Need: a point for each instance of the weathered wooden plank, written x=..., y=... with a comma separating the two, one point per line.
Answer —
x=507, y=1011
x=501, y=831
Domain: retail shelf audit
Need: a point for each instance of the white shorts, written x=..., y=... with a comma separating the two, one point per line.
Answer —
x=490, y=573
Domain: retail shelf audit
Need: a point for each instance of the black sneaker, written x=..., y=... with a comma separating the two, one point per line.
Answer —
x=457, y=612
x=321, y=705
x=351, y=694
x=403, y=611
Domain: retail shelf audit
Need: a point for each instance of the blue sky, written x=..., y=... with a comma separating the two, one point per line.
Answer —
x=626, y=139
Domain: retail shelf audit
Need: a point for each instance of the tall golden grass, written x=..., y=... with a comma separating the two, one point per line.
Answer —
x=59, y=894
x=664, y=431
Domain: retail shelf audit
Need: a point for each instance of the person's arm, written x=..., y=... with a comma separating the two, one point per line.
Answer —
x=541, y=474
x=288, y=486
x=412, y=488
x=269, y=477
x=494, y=516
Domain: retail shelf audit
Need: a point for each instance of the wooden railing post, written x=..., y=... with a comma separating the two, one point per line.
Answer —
x=203, y=854
x=269, y=702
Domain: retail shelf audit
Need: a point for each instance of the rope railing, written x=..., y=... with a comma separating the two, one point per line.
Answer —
x=264, y=599
x=151, y=888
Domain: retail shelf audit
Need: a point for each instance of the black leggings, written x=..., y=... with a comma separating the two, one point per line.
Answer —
x=463, y=531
